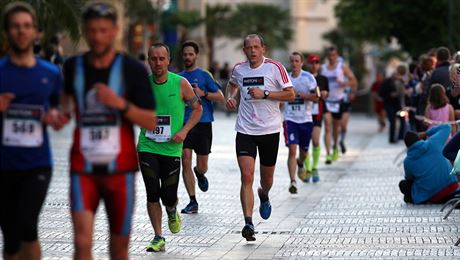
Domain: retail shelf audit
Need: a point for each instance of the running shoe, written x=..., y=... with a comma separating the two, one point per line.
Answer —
x=202, y=180
x=293, y=187
x=307, y=177
x=343, y=148
x=174, y=222
x=335, y=154
x=248, y=232
x=157, y=244
x=191, y=208
x=315, y=175
x=329, y=159
x=265, y=208
x=301, y=173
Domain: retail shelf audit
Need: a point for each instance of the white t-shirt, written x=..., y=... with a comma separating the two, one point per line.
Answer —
x=299, y=110
x=336, y=93
x=259, y=116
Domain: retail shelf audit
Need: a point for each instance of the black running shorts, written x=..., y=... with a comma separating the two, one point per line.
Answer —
x=199, y=139
x=247, y=145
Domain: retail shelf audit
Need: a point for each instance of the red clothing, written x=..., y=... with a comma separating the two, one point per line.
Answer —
x=117, y=191
x=378, y=105
x=440, y=196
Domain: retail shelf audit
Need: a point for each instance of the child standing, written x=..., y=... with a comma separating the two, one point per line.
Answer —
x=438, y=108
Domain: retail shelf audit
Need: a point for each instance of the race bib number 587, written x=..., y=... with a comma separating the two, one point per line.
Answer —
x=100, y=137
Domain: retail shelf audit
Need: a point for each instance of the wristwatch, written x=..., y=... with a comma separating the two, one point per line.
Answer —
x=266, y=93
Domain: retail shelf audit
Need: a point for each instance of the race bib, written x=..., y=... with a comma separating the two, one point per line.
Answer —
x=22, y=126
x=297, y=107
x=315, y=109
x=162, y=132
x=100, y=137
x=333, y=107
x=253, y=82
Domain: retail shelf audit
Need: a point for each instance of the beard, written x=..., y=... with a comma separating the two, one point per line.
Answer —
x=17, y=49
x=189, y=64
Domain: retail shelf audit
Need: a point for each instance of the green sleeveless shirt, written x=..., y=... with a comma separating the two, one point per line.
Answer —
x=170, y=109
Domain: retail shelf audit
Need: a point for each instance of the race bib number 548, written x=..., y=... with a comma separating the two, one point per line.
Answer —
x=22, y=126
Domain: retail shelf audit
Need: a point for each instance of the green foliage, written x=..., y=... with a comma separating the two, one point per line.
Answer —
x=270, y=21
x=418, y=25
x=56, y=16
x=141, y=10
x=217, y=18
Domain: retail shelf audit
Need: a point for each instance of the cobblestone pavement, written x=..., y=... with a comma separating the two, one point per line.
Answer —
x=355, y=211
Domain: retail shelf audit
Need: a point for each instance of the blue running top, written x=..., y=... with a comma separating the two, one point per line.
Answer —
x=24, y=139
x=204, y=80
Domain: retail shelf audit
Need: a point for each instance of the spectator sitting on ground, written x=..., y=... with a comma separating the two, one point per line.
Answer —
x=426, y=171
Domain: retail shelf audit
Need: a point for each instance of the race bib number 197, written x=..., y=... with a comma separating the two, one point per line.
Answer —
x=22, y=126
x=162, y=132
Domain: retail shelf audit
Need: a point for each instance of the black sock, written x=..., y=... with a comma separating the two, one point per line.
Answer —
x=263, y=197
x=299, y=163
x=193, y=198
x=248, y=220
x=170, y=210
x=196, y=171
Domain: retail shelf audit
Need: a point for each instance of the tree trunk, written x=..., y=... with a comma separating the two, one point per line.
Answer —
x=210, y=41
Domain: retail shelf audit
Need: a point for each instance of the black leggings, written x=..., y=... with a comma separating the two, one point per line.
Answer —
x=161, y=177
x=21, y=198
x=451, y=148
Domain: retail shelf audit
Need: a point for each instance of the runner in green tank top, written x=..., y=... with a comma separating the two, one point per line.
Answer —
x=160, y=149
x=170, y=118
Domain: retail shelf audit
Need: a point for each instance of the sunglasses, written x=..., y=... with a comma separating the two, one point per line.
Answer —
x=100, y=10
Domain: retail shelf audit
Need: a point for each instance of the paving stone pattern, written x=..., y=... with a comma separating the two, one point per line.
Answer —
x=355, y=211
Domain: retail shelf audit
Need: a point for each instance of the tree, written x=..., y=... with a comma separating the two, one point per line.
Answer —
x=184, y=21
x=143, y=12
x=216, y=20
x=54, y=16
x=270, y=21
x=418, y=25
